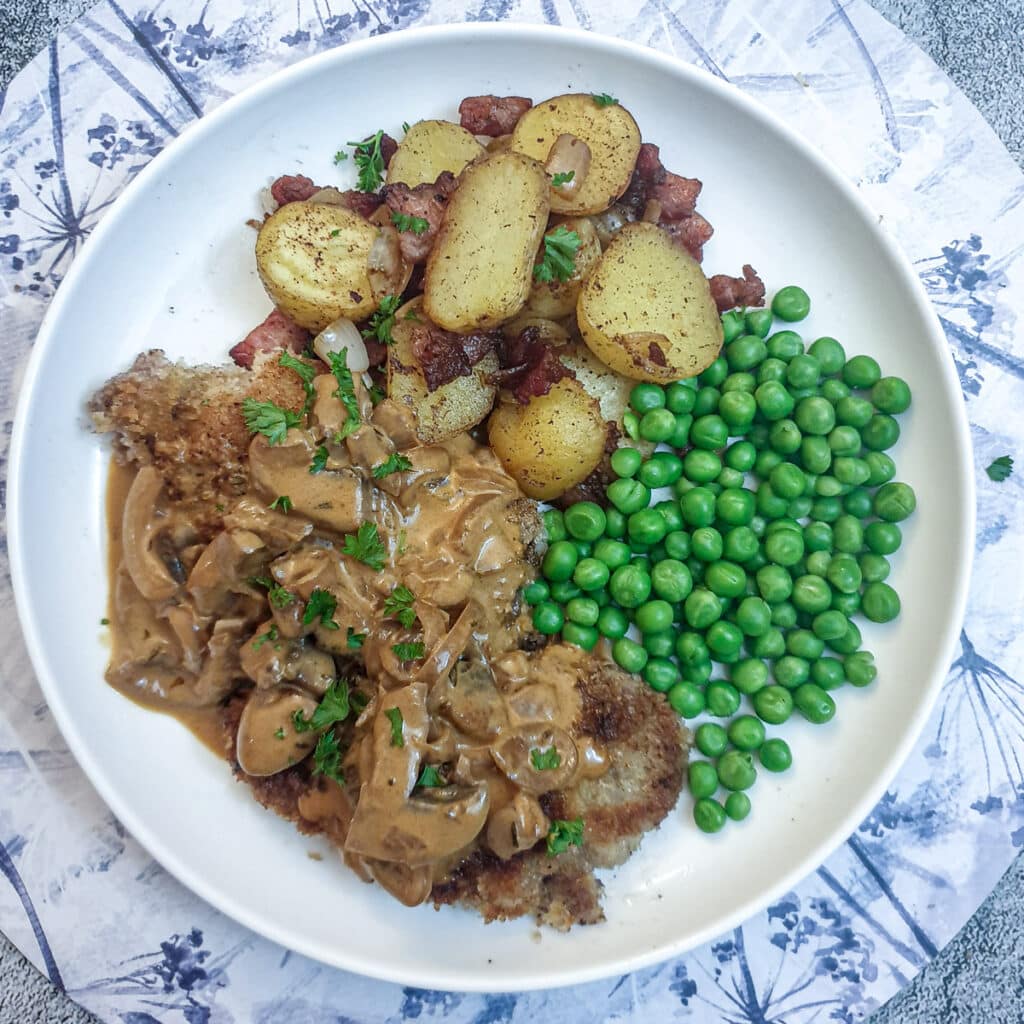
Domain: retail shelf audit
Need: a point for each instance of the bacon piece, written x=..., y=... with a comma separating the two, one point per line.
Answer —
x=292, y=188
x=677, y=195
x=648, y=164
x=388, y=148
x=426, y=201
x=691, y=233
x=277, y=332
x=529, y=367
x=444, y=355
x=730, y=292
x=492, y=115
x=363, y=203
x=376, y=351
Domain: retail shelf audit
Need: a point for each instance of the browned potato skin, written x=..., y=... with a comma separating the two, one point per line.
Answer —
x=599, y=381
x=428, y=149
x=646, y=310
x=611, y=134
x=499, y=144
x=552, y=300
x=451, y=409
x=551, y=443
x=480, y=270
x=312, y=260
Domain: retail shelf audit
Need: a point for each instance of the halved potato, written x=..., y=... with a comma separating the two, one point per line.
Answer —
x=481, y=267
x=611, y=134
x=610, y=389
x=453, y=407
x=646, y=311
x=430, y=147
x=551, y=443
x=555, y=299
x=312, y=260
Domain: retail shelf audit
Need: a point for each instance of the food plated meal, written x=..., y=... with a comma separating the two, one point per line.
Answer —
x=329, y=560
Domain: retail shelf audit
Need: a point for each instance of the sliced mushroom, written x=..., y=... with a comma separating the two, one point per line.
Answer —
x=308, y=665
x=514, y=755
x=516, y=827
x=227, y=561
x=277, y=530
x=408, y=885
x=470, y=701
x=267, y=740
x=140, y=527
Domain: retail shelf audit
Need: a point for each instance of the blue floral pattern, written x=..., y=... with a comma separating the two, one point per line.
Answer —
x=124, y=81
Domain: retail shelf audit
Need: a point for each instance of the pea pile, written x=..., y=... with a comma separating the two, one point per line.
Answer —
x=782, y=515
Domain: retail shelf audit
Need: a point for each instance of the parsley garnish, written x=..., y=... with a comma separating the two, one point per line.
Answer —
x=377, y=394
x=258, y=642
x=409, y=652
x=411, y=315
x=562, y=178
x=104, y=622
x=283, y=503
x=269, y=419
x=370, y=162
x=327, y=757
x=333, y=708
x=340, y=155
x=306, y=372
x=335, y=232
x=321, y=604
x=319, y=463
x=1000, y=468
x=430, y=778
x=380, y=324
x=402, y=221
x=366, y=546
x=279, y=733
x=345, y=393
x=564, y=834
x=276, y=594
x=358, y=701
x=394, y=463
x=396, y=720
x=602, y=99
x=405, y=127
x=399, y=605
x=354, y=640
x=544, y=760
x=559, y=260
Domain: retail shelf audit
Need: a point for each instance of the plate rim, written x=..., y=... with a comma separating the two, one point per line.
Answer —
x=524, y=33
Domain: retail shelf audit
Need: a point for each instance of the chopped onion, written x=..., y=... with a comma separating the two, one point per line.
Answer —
x=268, y=204
x=342, y=334
x=329, y=196
x=567, y=155
x=384, y=262
x=652, y=212
x=608, y=223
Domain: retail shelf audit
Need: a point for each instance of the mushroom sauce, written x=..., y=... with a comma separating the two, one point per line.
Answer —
x=370, y=623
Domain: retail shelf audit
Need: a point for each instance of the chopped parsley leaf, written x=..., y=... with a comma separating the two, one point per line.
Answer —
x=394, y=716
x=279, y=733
x=276, y=594
x=340, y=156
x=409, y=652
x=399, y=605
x=327, y=757
x=258, y=642
x=405, y=127
x=544, y=760
x=380, y=324
x=354, y=641
x=321, y=604
x=999, y=469
x=269, y=419
x=335, y=232
x=602, y=99
x=345, y=393
x=358, y=700
x=394, y=463
x=365, y=546
x=411, y=315
x=402, y=221
x=282, y=503
x=562, y=178
x=104, y=622
x=563, y=834
x=319, y=463
x=306, y=372
x=559, y=260
x=377, y=394
x=333, y=708
x=219, y=507
x=369, y=161
x=430, y=778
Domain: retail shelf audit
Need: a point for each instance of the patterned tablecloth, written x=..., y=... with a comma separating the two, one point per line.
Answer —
x=93, y=910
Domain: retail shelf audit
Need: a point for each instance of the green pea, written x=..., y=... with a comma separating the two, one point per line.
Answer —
x=702, y=777
x=769, y=645
x=740, y=380
x=849, y=642
x=758, y=525
x=834, y=390
x=677, y=544
x=818, y=537
x=671, y=580
x=735, y=506
x=766, y=461
x=660, y=645
x=660, y=674
x=554, y=525
x=817, y=563
x=706, y=544
x=830, y=355
x=775, y=755
x=785, y=345
x=585, y=637
x=740, y=456
x=612, y=622
x=701, y=466
x=687, y=700
x=679, y=398
x=784, y=437
x=746, y=352
x=709, y=815
x=803, y=372
x=548, y=618
x=615, y=528
x=698, y=507
x=726, y=579
x=768, y=503
x=803, y=643
x=771, y=370
x=706, y=401
x=882, y=468
x=861, y=372
x=559, y=561
x=591, y=574
x=880, y=603
x=628, y=496
x=629, y=586
x=724, y=639
x=814, y=703
x=657, y=424
x=535, y=592
x=697, y=674
x=647, y=526
x=584, y=611
x=828, y=625
x=773, y=704
x=736, y=770
x=733, y=324
x=758, y=321
x=645, y=397
x=746, y=732
x=737, y=806
x=691, y=649
x=680, y=437
x=585, y=520
x=860, y=668
x=791, y=303
x=784, y=547
x=723, y=699
x=844, y=440
x=654, y=616
x=858, y=502
x=826, y=486
x=894, y=502
x=629, y=655
x=848, y=534
x=815, y=415
x=709, y=432
x=790, y=671
x=701, y=608
x=891, y=395
x=711, y=739
x=784, y=615
x=848, y=604
x=631, y=425
x=854, y=412
x=737, y=409
x=774, y=583
x=626, y=462
x=612, y=552
x=850, y=472
x=873, y=568
x=749, y=675
x=826, y=510
x=739, y=544
x=564, y=591
x=669, y=511
x=828, y=673
x=714, y=374
x=881, y=432
x=753, y=616
x=844, y=573
x=787, y=480
x=773, y=400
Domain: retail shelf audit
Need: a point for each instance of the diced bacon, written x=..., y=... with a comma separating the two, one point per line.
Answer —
x=492, y=115
x=292, y=188
x=730, y=292
x=427, y=202
x=530, y=368
x=276, y=333
x=444, y=355
x=691, y=233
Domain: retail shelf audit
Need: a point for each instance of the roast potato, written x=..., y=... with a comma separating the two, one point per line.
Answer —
x=610, y=389
x=312, y=260
x=453, y=407
x=430, y=147
x=611, y=134
x=646, y=310
x=547, y=330
x=499, y=144
x=555, y=299
x=551, y=443
x=481, y=267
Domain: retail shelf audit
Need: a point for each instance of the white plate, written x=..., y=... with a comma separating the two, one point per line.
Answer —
x=171, y=266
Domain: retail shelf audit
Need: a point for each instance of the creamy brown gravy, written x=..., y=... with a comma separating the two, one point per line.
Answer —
x=190, y=630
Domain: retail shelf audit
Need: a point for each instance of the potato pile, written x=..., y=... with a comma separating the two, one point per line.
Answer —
x=524, y=241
